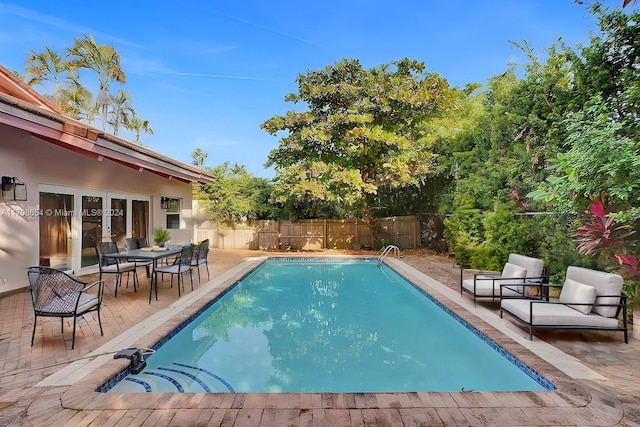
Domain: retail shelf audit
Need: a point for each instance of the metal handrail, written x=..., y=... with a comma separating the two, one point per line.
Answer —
x=385, y=252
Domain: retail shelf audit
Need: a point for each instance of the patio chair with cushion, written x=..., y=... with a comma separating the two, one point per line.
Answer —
x=520, y=275
x=589, y=299
x=55, y=293
x=200, y=258
x=179, y=267
x=117, y=267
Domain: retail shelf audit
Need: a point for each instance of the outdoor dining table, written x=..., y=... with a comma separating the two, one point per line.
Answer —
x=152, y=254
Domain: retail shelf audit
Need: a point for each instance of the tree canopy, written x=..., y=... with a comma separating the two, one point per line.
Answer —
x=360, y=133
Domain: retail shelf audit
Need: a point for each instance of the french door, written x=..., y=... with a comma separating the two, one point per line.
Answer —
x=74, y=221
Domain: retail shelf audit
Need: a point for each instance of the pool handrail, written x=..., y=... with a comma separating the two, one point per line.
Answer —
x=385, y=252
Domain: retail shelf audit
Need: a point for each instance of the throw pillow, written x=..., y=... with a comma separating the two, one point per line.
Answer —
x=578, y=293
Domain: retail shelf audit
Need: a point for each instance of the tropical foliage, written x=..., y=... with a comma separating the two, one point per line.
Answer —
x=360, y=137
x=235, y=196
x=62, y=72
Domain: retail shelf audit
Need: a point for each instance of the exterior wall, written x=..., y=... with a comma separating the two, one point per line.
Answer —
x=40, y=163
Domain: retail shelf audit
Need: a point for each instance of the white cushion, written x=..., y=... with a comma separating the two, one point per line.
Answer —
x=87, y=301
x=512, y=271
x=545, y=313
x=533, y=266
x=605, y=284
x=122, y=267
x=578, y=293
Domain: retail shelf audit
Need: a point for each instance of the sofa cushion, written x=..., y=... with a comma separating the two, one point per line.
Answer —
x=512, y=271
x=554, y=314
x=578, y=293
x=533, y=266
x=605, y=283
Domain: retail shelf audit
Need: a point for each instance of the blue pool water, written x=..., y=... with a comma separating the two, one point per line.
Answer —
x=320, y=326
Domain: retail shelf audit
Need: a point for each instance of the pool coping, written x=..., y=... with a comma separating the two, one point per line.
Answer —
x=82, y=378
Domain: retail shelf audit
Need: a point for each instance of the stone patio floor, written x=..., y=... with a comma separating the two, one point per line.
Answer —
x=597, y=375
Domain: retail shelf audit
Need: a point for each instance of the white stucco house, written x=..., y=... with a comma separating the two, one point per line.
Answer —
x=66, y=186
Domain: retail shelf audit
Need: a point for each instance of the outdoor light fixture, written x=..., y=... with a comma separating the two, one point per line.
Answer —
x=165, y=202
x=13, y=189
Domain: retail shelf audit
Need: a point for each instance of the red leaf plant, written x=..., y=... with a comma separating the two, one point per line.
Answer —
x=599, y=233
x=630, y=265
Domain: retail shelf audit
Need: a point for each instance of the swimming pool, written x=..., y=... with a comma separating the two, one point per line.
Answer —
x=318, y=325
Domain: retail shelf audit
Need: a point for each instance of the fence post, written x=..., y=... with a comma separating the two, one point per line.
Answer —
x=324, y=234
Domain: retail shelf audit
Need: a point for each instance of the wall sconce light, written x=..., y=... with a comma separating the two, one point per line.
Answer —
x=165, y=202
x=13, y=189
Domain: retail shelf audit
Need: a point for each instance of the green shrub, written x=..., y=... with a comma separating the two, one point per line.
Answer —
x=463, y=233
x=483, y=258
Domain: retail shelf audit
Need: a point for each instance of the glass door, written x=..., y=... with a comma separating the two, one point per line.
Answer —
x=116, y=217
x=55, y=226
x=75, y=220
x=140, y=219
x=92, y=214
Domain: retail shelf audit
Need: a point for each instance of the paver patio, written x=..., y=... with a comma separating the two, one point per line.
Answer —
x=598, y=377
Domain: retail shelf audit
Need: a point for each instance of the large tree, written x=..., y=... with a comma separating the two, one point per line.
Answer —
x=360, y=133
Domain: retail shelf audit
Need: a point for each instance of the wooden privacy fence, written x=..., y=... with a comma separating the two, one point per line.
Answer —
x=311, y=234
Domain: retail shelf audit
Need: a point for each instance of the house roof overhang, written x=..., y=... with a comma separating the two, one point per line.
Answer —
x=22, y=108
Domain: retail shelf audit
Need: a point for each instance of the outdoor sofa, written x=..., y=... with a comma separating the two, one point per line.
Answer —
x=589, y=299
x=517, y=271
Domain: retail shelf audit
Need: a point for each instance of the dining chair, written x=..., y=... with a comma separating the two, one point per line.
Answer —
x=201, y=258
x=179, y=267
x=117, y=267
x=132, y=243
x=55, y=293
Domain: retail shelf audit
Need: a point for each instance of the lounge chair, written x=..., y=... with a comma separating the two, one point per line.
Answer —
x=518, y=271
x=589, y=299
x=55, y=293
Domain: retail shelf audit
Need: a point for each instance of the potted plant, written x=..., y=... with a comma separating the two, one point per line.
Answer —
x=356, y=245
x=160, y=236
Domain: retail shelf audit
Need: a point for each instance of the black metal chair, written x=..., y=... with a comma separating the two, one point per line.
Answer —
x=115, y=266
x=132, y=243
x=55, y=293
x=201, y=258
x=180, y=266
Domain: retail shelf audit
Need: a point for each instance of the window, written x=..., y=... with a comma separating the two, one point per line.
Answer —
x=173, y=214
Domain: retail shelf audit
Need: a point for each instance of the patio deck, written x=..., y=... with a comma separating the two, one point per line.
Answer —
x=598, y=376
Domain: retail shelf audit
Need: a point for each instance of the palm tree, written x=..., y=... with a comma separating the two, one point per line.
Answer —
x=138, y=125
x=77, y=102
x=199, y=158
x=48, y=66
x=104, y=61
x=121, y=110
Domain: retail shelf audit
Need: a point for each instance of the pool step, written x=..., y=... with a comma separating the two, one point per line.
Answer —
x=179, y=378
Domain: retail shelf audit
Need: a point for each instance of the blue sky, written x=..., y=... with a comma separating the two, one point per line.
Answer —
x=206, y=74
